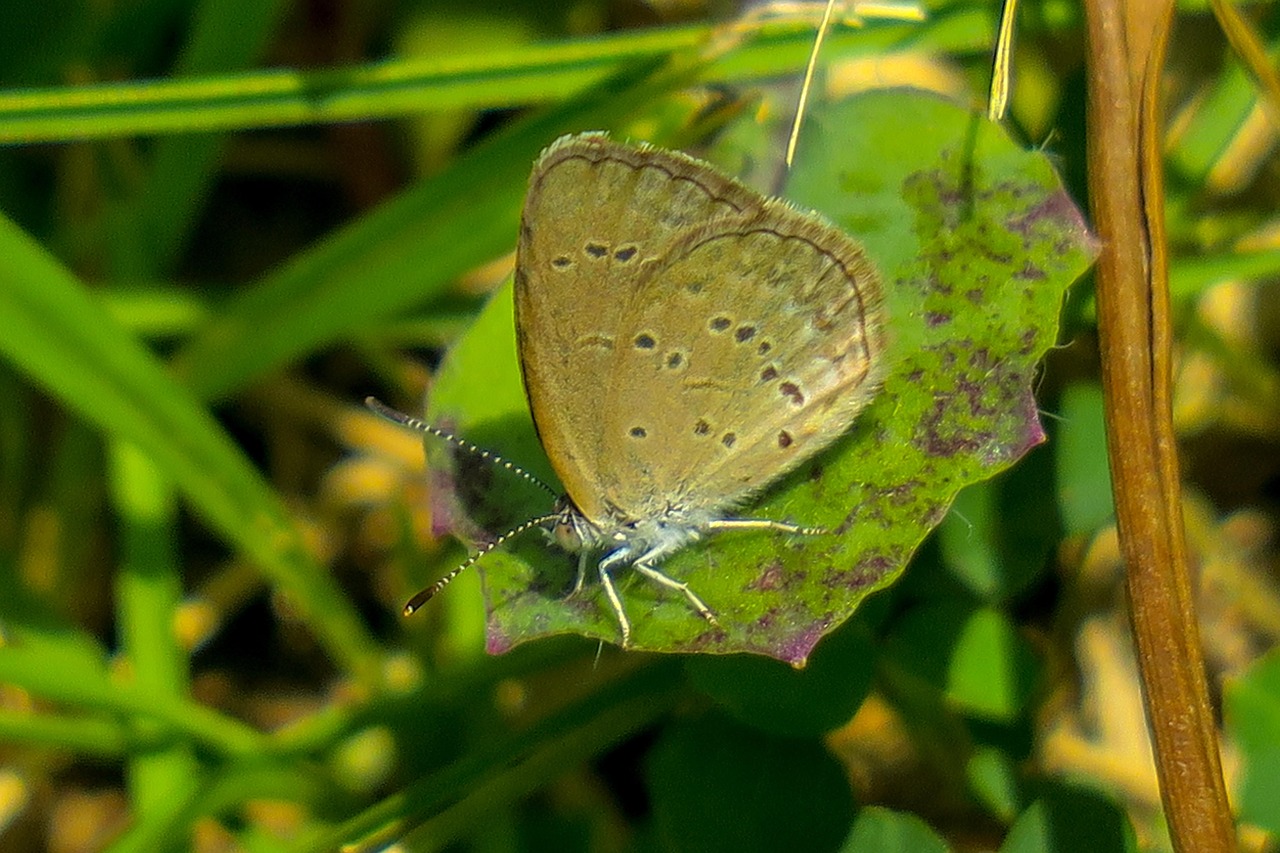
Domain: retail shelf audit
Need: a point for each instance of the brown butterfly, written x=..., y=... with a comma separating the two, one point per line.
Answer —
x=685, y=341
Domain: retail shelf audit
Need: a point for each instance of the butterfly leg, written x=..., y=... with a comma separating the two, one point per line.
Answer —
x=615, y=601
x=721, y=524
x=666, y=580
x=583, y=558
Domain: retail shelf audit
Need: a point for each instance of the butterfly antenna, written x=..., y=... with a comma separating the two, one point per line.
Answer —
x=430, y=592
x=418, y=425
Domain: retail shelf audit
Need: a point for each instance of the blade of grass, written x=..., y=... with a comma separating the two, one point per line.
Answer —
x=1216, y=120
x=489, y=778
x=531, y=74
x=101, y=737
x=67, y=343
x=151, y=227
x=148, y=592
x=1249, y=48
x=299, y=783
x=35, y=672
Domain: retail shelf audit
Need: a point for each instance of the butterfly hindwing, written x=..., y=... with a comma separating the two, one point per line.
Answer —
x=751, y=346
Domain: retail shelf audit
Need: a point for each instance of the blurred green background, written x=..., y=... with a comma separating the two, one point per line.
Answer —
x=224, y=224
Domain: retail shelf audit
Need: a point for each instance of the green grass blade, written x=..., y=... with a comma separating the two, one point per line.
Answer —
x=66, y=342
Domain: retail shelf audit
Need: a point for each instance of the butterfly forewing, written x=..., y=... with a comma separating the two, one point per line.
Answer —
x=749, y=347
x=597, y=216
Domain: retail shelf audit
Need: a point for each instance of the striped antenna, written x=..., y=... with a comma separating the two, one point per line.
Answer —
x=427, y=594
x=418, y=425
x=383, y=410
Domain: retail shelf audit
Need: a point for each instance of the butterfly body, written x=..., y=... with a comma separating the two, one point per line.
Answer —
x=627, y=541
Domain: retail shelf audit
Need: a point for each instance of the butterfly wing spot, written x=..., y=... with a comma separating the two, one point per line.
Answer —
x=701, y=427
x=638, y=432
x=626, y=253
x=675, y=360
x=769, y=374
x=728, y=440
x=596, y=250
x=744, y=333
x=764, y=348
x=719, y=324
x=792, y=391
x=824, y=321
x=706, y=383
x=784, y=439
x=644, y=340
x=596, y=341
x=561, y=263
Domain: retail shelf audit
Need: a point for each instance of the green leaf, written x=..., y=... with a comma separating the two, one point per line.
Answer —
x=1260, y=791
x=718, y=787
x=1252, y=710
x=973, y=656
x=879, y=830
x=1084, y=474
x=977, y=242
x=993, y=775
x=1069, y=819
x=999, y=534
x=777, y=698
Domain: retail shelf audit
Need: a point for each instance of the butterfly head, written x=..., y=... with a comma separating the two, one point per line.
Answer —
x=572, y=530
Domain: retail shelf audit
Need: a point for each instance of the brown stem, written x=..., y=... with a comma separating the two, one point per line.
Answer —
x=1126, y=50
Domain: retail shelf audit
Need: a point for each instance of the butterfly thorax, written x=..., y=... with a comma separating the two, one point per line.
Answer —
x=627, y=540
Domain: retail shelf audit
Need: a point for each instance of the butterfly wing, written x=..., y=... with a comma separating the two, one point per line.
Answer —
x=748, y=348
x=597, y=215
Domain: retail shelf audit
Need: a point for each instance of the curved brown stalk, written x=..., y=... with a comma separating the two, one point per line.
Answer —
x=1127, y=45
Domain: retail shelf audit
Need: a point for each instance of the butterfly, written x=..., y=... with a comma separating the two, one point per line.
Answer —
x=684, y=342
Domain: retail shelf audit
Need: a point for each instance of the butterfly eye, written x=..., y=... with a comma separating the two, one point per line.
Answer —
x=566, y=536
